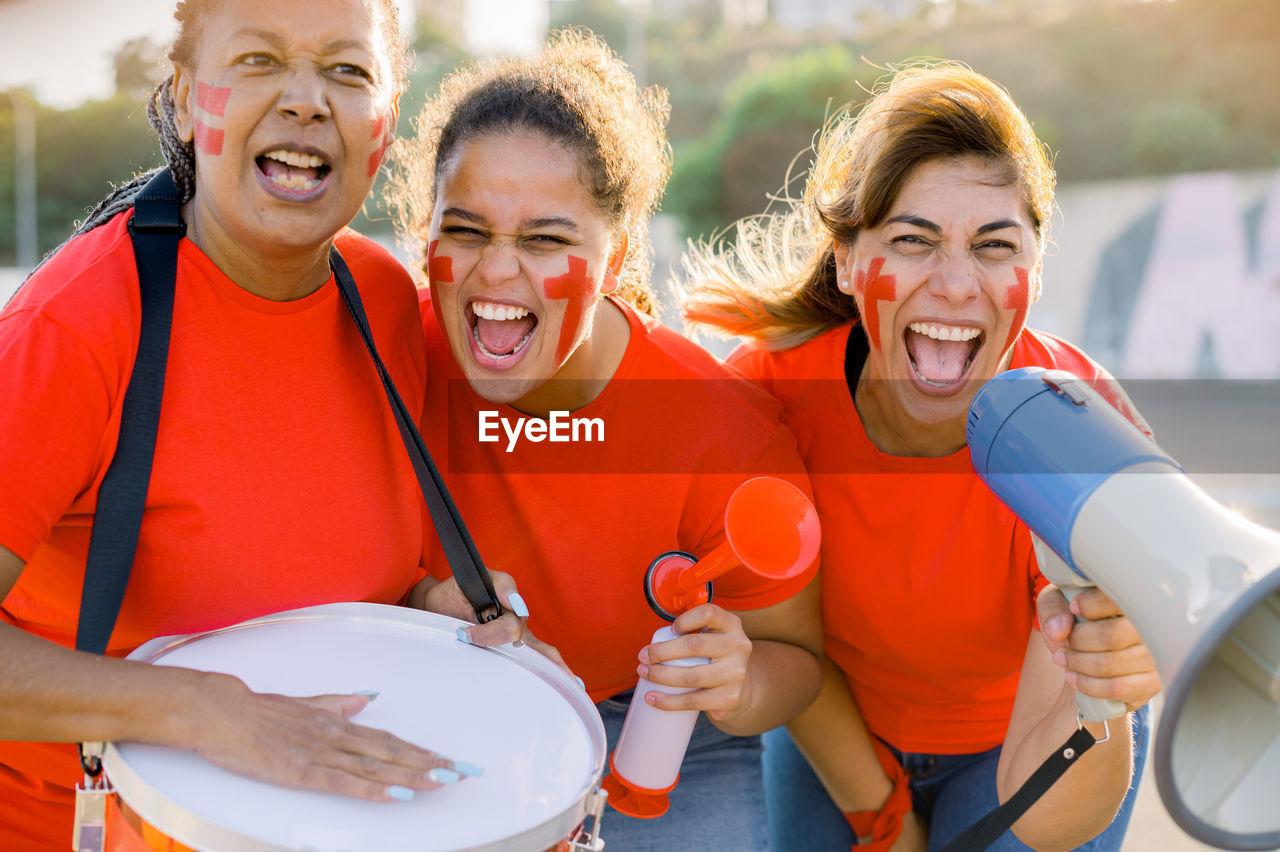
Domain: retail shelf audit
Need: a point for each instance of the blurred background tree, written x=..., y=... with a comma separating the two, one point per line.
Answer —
x=1115, y=88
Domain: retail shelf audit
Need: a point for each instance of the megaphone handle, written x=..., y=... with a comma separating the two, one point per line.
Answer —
x=1093, y=709
x=1071, y=584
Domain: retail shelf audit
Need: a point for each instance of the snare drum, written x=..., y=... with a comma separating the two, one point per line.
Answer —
x=530, y=725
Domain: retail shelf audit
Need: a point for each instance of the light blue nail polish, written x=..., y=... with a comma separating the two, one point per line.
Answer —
x=400, y=794
x=463, y=637
x=518, y=606
x=443, y=776
x=372, y=693
x=470, y=770
x=581, y=683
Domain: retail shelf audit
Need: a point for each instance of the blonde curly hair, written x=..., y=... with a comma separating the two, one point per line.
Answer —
x=577, y=92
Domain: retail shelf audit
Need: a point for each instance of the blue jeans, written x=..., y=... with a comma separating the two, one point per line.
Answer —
x=717, y=804
x=950, y=791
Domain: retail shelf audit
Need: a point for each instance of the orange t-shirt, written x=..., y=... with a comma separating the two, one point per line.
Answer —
x=577, y=523
x=929, y=581
x=279, y=481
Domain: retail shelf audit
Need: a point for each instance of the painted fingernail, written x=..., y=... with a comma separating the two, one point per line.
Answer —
x=372, y=693
x=519, y=643
x=1074, y=607
x=642, y=670
x=518, y=605
x=581, y=683
x=443, y=776
x=463, y=637
x=470, y=770
x=400, y=794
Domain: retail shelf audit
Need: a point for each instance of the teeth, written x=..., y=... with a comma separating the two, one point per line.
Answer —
x=495, y=311
x=945, y=332
x=295, y=159
x=295, y=182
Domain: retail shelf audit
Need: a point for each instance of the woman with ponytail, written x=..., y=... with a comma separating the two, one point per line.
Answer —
x=875, y=307
x=528, y=187
x=279, y=477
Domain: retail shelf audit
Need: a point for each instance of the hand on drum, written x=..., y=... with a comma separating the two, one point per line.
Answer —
x=310, y=743
x=446, y=598
x=722, y=686
x=1104, y=656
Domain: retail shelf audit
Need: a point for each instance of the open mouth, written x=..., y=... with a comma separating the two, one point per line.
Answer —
x=293, y=172
x=500, y=332
x=941, y=355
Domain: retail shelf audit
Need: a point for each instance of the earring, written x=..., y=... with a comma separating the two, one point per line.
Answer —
x=843, y=284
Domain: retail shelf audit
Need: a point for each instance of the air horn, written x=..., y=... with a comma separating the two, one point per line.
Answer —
x=772, y=530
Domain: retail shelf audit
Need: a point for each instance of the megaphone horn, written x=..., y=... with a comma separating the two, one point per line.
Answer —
x=1200, y=583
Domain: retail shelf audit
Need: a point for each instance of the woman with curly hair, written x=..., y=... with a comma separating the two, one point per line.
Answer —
x=528, y=186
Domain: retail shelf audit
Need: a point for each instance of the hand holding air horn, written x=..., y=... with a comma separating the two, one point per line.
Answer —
x=772, y=530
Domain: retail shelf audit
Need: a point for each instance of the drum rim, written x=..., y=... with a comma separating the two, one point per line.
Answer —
x=203, y=834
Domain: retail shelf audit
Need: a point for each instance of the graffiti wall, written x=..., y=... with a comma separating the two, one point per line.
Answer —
x=1170, y=278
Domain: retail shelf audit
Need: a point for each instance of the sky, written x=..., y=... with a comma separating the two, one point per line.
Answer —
x=63, y=48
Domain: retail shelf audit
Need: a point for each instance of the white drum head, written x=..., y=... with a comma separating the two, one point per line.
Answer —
x=510, y=710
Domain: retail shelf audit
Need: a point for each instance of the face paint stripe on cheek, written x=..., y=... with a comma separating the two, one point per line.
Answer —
x=208, y=139
x=212, y=99
x=575, y=286
x=375, y=159
x=439, y=269
x=876, y=288
x=1017, y=298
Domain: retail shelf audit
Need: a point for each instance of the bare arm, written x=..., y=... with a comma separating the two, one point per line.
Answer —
x=53, y=694
x=1106, y=659
x=763, y=669
x=834, y=739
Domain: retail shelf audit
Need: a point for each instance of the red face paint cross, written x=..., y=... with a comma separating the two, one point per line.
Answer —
x=576, y=286
x=211, y=100
x=376, y=127
x=439, y=270
x=874, y=288
x=1018, y=299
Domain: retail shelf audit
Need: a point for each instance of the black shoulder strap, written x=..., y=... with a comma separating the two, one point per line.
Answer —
x=983, y=833
x=156, y=229
x=464, y=560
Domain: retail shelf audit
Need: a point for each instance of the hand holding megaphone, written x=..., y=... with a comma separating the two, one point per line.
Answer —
x=1201, y=584
x=771, y=529
x=1071, y=584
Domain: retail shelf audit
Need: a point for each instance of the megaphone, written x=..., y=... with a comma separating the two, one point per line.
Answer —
x=1200, y=583
x=771, y=529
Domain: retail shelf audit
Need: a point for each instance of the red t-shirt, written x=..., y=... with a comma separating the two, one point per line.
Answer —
x=577, y=523
x=279, y=481
x=928, y=581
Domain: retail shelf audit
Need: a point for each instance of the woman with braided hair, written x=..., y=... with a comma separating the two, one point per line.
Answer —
x=279, y=476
